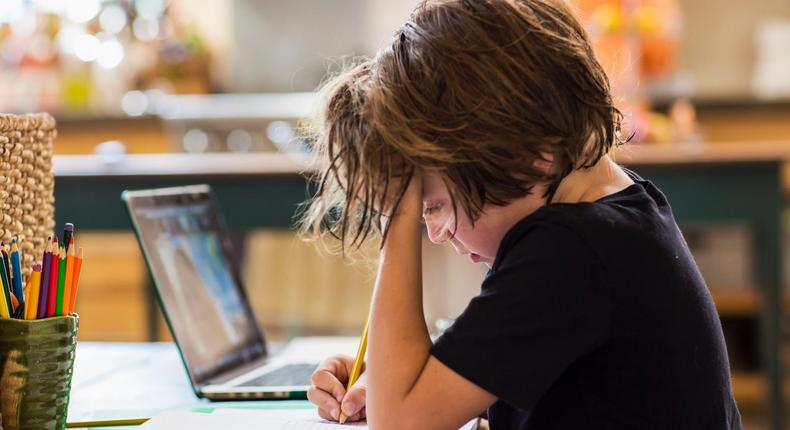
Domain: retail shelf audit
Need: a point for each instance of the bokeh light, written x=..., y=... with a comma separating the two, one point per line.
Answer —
x=82, y=10
x=86, y=47
x=145, y=29
x=113, y=19
x=111, y=54
x=134, y=103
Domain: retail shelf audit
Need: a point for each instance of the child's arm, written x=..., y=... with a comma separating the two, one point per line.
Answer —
x=407, y=387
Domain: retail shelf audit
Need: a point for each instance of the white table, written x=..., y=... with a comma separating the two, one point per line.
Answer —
x=114, y=380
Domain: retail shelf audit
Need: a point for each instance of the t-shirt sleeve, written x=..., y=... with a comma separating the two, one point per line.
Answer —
x=538, y=311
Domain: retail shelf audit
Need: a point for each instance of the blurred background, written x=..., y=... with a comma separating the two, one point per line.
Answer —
x=705, y=86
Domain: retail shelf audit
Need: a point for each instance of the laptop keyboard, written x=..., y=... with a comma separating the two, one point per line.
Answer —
x=290, y=374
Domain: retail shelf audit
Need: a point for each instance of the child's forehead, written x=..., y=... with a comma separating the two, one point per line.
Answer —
x=433, y=185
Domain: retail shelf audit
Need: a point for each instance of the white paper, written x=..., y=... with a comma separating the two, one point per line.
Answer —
x=285, y=419
x=241, y=419
x=246, y=419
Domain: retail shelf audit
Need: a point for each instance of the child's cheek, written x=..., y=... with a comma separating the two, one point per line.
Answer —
x=478, y=240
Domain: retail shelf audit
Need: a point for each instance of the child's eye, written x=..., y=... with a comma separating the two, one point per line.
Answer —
x=430, y=209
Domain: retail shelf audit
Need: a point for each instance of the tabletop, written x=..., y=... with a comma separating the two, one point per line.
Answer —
x=115, y=380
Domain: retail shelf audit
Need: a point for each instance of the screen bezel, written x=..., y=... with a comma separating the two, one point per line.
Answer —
x=190, y=195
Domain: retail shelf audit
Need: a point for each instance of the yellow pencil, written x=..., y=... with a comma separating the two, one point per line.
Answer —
x=34, y=283
x=4, y=305
x=107, y=423
x=356, y=369
x=69, y=279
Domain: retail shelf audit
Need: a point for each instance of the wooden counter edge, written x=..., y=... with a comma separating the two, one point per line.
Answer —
x=274, y=163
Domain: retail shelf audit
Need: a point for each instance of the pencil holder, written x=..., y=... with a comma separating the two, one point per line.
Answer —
x=36, y=359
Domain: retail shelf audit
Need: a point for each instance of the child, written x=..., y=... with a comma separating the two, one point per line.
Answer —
x=492, y=121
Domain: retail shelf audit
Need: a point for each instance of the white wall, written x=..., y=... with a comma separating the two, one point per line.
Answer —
x=718, y=45
x=274, y=45
x=383, y=18
x=449, y=281
x=287, y=45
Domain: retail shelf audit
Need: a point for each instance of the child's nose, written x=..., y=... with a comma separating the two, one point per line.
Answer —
x=438, y=234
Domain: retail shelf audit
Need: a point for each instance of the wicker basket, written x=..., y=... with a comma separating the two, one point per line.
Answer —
x=27, y=202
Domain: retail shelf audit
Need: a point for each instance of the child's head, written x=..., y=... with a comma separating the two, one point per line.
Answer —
x=480, y=93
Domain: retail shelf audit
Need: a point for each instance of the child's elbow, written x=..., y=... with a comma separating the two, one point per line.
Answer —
x=393, y=424
x=397, y=421
x=390, y=420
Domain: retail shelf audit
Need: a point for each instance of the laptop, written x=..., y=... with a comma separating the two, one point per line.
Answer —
x=188, y=253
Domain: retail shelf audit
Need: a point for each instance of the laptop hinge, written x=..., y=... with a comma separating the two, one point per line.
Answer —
x=235, y=372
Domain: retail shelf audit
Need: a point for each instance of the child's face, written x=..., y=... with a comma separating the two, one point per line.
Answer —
x=480, y=242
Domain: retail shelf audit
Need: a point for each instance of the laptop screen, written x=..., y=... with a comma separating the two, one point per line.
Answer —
x=182, y=237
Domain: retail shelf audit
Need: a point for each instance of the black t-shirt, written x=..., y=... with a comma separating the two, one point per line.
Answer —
x=595, y=316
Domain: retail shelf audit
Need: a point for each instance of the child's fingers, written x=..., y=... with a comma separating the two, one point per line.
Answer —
x=328, y=389
x=348, y=363
x=327, y=415
x=354, y=401
x=361, y=415
x=338, y=365
x=327, y=381
x=328, y=406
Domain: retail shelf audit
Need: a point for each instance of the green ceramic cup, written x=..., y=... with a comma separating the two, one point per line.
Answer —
x=36, y=362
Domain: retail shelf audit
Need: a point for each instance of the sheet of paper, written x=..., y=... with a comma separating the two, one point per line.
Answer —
x=240, y=419
x=179, y=419
x=290, y=419
x=245, y=419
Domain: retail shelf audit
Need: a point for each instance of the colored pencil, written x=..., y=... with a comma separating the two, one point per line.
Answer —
x=61, y=281
x=5, y=303
x=19, y=311
x=27, y=294
x=68, y=235
x=7, y=288
x=44, y=290
x=6, y=263
x=53, y=278
x=76, y=282
x=50, y=290
x=16, y=268
x=31, y=311
x=15, y=303
x=69, y=279
x=7, y=310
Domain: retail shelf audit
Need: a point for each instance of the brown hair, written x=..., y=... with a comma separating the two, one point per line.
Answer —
x=476, y=91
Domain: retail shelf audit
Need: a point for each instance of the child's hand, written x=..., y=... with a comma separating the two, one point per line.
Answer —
x=328, y=391
x=410, y=205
